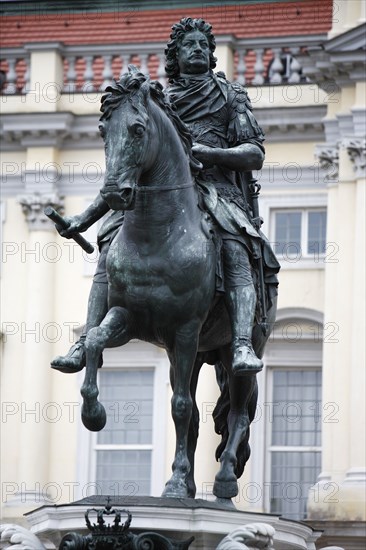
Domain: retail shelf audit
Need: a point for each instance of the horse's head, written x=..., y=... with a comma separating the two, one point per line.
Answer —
x=143, y=136
x=126, y=129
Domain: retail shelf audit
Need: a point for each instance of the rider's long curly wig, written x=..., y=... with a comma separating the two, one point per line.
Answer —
x=179, y=30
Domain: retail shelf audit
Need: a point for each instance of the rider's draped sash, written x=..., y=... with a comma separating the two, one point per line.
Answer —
x=219, y=114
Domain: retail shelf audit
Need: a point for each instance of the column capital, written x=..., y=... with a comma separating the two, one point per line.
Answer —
x=356, y=149
x=33, y=205
x=328, y=157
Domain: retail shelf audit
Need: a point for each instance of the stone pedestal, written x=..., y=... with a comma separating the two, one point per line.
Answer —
x=209, y=522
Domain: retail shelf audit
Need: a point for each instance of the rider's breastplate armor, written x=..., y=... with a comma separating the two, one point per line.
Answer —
x=212, y=131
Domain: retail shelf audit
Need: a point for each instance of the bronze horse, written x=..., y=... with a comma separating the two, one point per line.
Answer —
x=161, y=271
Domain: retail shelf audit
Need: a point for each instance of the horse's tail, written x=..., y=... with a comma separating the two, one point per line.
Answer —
x=220, y=416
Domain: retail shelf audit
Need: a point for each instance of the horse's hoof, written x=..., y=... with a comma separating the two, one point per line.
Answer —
x=95, y=420
x=225, y=489
x=174, y=489
x=227, y=502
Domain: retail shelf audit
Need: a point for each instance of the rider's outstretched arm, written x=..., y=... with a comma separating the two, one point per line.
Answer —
x=82, y=222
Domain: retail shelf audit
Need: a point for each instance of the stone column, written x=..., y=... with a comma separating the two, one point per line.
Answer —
x=353, y=487
x=339, y=493
x=332, y=430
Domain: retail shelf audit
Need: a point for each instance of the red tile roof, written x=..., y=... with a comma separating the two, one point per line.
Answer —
x=243, y=20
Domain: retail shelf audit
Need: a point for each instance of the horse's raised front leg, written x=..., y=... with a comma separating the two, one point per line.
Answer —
x=112, y=331
x=242, y=391
x=182, y=357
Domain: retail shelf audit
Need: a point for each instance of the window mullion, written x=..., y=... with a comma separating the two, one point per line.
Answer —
x=298, y=448
x=304, y=233
x=137, y=447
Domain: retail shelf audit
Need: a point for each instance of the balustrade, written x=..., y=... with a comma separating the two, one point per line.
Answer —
x=94, y=69
x=15, y=71
x=271, y=60
x=91, y=68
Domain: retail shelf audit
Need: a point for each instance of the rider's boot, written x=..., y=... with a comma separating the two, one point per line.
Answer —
x=241, y=302
x=74, y=360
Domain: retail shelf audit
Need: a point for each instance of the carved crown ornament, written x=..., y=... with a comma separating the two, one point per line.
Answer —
x=116, y=535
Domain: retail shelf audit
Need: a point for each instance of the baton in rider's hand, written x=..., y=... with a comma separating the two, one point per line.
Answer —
x=59, y=220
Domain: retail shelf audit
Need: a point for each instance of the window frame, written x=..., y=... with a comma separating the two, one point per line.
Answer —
x=315, y=257
x=142, y=356
x=270, y=202
x=96, y=447
x=277, y=355
x=270, y=449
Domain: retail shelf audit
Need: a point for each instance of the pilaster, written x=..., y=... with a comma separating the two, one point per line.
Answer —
x=225, y=55
x=41, y=190
x=341, y=488
x=46, y=75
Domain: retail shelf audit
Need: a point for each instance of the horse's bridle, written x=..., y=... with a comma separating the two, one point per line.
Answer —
x=162, y=188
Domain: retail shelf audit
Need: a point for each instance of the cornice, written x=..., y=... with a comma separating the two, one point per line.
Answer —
x=350, y=40
x=61, y=130
x=272, y=177
x=71, y=131
x=292, y=123
x=340, y=60
x=345, y=125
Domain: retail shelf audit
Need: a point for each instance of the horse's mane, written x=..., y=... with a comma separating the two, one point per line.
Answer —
x=128, y=86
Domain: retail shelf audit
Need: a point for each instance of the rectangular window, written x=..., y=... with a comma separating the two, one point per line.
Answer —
x=295, y=451
x=288, y=231
x=317, y=221
x=299, y=233
x=293, y=473
x=124, y=447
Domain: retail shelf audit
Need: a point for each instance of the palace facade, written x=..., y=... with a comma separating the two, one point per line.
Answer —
x=303, y=64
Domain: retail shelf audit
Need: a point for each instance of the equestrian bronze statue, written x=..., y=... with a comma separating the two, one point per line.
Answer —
x=183, y=262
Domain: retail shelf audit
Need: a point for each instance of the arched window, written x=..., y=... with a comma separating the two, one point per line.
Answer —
x=288, y=430
x=127, y=456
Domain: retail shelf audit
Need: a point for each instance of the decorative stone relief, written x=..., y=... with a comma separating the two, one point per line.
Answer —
x=328, y=157
x=253, y=535
x=33, y=206
x=356, y=148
